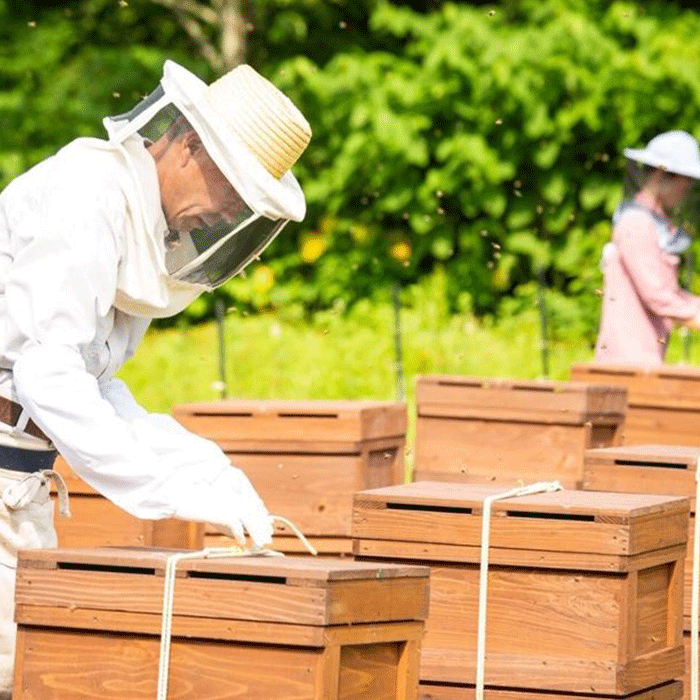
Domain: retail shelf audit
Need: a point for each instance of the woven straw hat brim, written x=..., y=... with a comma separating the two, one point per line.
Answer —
x=263, y=119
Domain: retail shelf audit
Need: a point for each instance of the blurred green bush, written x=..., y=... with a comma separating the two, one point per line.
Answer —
x=484, y=140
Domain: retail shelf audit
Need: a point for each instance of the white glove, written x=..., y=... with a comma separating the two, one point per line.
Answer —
x=231, y=504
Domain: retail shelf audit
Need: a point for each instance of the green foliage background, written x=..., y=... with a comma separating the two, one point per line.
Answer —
x=479, y=141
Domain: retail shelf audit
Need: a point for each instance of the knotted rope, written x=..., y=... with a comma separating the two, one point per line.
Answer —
x=169, y=590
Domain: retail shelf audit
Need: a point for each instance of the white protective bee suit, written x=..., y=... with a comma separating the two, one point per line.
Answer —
x=83, y=268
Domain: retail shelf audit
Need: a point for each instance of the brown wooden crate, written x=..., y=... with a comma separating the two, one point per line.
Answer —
x=672, y=690
x=501, y=452
x=297, y=590
x=661, y=425
x=509, y=431
x=322, y=628
x=593, y=588
x=667, y=386
x=73, y=664
x=658, y=469
x=566, y=401
x=569, y=520
x=307, y=421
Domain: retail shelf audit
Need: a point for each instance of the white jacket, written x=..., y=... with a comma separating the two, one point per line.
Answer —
x=64, y=228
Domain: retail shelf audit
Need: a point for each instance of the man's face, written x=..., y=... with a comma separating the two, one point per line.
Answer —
x=194, y=192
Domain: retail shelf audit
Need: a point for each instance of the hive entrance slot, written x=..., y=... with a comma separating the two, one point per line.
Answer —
x=224, y=414
x=224, y=576
x=449, y=383
x=528, y=387
x=428, y=508
x=663, y=465
x=108, y=568
x=550, y=516
x=308, y=415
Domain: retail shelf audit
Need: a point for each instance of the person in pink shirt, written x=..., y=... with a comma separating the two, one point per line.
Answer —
x=642, y=299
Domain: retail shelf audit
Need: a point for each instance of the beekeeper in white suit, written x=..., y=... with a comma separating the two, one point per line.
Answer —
x=97, y=240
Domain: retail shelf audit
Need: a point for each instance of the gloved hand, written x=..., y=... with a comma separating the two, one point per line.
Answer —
x=231, y=504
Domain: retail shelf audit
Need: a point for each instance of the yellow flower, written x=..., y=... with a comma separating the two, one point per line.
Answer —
x=312, y=247
x=400, y=250
x=263, y=278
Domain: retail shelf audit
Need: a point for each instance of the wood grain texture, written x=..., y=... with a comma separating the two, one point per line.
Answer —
x=294, y=420
x=582, y=398
x=295, y=590
x=670, y=385
x=262, y=627
x=663, y=403
x=512, y=431
x=73, y=665
x=567, y=521
x=500, y=451
x=672, y=690
x=596, y=602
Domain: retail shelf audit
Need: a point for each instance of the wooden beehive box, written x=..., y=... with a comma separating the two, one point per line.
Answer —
x=96, y=522
x=306, y=458
x=665, y=469
x=479, y=430
x=663, y=403
x=672, y=690
x=585, y=588
x=89, y=624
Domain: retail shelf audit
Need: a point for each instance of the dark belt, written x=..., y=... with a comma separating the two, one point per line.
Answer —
x=10, y=413
x=18, y=459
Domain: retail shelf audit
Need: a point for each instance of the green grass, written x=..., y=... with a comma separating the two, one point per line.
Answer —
x=335, y=357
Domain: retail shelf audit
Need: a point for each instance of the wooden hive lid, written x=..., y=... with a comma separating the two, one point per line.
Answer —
x=579, y=523
x=673, y=455
x=552, y=401
x=670, y=386
x=294, y=589
x=292, y=420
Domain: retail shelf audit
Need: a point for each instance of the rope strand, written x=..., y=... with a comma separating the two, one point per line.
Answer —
x=539, y=487
x=169, y=590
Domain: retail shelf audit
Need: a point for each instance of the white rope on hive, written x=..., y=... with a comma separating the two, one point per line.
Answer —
x=169, y=590
x=539, y=487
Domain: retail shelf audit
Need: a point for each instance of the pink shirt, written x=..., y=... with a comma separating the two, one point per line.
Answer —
x=641, y=294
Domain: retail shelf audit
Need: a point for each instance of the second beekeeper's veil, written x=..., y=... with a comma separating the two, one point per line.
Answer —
x=254, y=134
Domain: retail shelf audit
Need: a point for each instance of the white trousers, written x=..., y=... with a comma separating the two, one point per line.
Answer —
x=26, y=522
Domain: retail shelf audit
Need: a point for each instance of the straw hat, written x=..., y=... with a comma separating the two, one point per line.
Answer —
x=674, y=151
x=262, y=117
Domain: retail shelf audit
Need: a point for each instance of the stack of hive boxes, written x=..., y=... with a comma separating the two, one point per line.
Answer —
x=96, y=522
x=667, y=469
x=585, y=589
x=480, y=430
x=663, y=403
x=89, y=626
x=306, y=459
